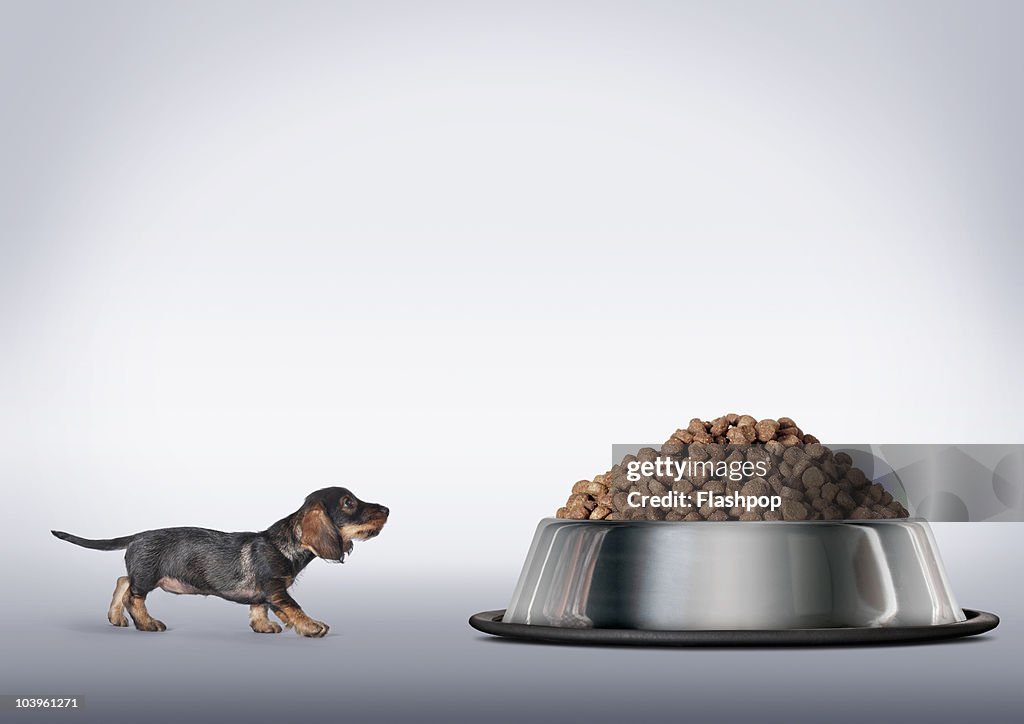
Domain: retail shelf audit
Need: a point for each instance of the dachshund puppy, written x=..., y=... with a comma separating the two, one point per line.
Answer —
x=250, y=568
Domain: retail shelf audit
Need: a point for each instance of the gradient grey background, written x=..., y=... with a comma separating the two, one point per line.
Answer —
x=448, y=253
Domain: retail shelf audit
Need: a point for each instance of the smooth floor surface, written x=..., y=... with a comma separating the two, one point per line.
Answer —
x=400, y=650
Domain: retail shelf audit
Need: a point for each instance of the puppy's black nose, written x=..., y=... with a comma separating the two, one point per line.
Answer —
x=384, y=510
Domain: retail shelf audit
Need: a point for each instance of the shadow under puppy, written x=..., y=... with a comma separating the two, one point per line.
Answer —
x=249, y=568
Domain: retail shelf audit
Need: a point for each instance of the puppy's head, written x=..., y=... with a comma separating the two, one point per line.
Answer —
x=332, y=518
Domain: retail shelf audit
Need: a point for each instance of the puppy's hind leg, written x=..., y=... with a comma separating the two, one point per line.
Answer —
x=259, y=621
x=135, y=602
x=115, y=614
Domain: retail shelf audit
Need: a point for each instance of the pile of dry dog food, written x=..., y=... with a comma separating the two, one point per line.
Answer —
x=772, y=462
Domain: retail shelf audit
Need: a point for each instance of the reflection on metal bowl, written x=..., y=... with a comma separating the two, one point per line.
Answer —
x=732, y=575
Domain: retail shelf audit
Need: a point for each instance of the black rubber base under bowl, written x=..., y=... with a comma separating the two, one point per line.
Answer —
x=977, y=622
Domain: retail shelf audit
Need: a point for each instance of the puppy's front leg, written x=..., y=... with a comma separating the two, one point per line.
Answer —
x=294, y=617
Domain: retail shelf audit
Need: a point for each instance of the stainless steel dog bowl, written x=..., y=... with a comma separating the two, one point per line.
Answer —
x=732, y=576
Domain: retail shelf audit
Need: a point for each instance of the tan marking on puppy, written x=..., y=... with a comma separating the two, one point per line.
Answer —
x=173, y=585
x=136, y=606
x=115, y=614
x=361, y=531
x=283, y=616
x=260, y=622
x=295, y=617
x=306, y=626
x=318, y=535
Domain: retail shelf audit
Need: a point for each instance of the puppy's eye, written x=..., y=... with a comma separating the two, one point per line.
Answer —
x=347, y=503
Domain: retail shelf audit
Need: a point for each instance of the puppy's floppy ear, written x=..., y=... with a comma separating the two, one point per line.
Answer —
x=319, y=534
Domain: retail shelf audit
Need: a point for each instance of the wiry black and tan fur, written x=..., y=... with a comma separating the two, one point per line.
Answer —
x=249, y=568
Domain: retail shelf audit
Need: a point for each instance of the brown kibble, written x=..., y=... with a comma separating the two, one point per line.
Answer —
x=793, y=510
x=682, y=486
x=621, y=482
x=775, y=448
x=715, y=451
x=814, y=450
x=683, y=436
x=766, y=430
x=897, y=507
x=793, y=455
x=844, y=501
x=580, y=487
x=800, y=467
x=702, y=437
x=814, y=482
x=698, y=452
x=718, y=426
x=812, y=478
x=736, y=436
x=756, y=487
x=647, y=454
x=791, y=494
x=759, y=453
x=672, y=448
x=577, y=512
x=715, y=486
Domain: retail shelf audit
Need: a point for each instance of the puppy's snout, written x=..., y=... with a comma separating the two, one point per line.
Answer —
x=383, y=510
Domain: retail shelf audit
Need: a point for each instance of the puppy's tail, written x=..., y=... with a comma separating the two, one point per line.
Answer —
x=110, y=544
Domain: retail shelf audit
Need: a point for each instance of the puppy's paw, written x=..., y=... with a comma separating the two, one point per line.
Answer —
x=151, y=625
x=312, y=629
x=266, y=627
x=117, y=619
